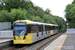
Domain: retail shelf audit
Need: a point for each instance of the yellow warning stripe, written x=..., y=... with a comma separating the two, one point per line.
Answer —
x=61, y=43
x=51, y=32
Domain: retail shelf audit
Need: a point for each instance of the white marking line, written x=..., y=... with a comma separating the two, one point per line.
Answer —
x=54, y=44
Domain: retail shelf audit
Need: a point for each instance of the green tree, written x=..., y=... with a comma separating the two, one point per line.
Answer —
x=12, y=10
x=4, y=16
x=10, y=4
x=37, y=19
x=18, y=14
x=39, y=11
x=47, y=11
x=70, y=14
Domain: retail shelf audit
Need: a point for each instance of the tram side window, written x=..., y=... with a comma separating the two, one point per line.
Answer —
x=40, y=28
x=48, y=28
x=51, y=28
x=45, y=28
x=28, y=28
x=34, y=28
x=56, y=27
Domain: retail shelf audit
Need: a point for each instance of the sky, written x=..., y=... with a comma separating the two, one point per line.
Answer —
x=57, y=7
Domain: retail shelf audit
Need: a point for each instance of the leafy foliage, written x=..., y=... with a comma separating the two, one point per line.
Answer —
x=25, y=10
x=70, y=14
x=47, y=11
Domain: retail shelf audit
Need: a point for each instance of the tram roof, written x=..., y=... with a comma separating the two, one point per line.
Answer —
x=34, y=22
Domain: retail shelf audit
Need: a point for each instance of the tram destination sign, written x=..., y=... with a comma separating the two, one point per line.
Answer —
x=20, y=23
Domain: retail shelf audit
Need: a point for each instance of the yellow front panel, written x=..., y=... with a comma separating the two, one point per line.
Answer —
x=20, y=40
x=51, y=32
x=27, y=22
x=15, y=22
x=29, y=38
x=19, y=37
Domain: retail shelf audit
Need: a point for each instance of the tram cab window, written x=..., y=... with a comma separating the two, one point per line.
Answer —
x=28, y=28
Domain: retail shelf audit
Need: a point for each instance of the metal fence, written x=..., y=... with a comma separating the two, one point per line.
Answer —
x=70, y=31
x=6, y=34
x=5, y=25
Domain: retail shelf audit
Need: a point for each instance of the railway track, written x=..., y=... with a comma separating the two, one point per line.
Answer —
x=37, y=45
x=13, y=48
x=5, y=44
x=47, y=42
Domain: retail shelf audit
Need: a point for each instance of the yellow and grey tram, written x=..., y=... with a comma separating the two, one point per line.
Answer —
x=27, y=32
